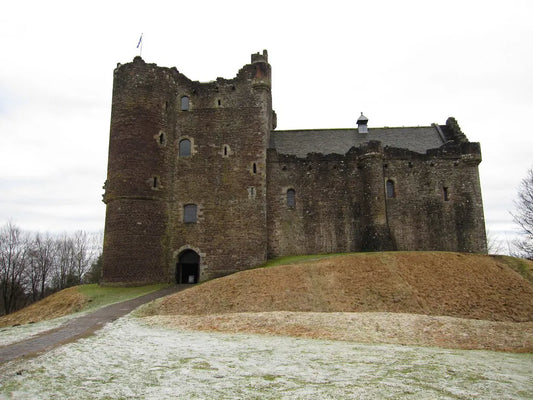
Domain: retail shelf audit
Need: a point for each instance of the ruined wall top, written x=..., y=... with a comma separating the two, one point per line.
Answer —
x=260, y=57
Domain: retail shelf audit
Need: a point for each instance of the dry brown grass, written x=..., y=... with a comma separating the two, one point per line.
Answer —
x=391, y=328
x=433, y=299
x=430, y=283
x=56, y=305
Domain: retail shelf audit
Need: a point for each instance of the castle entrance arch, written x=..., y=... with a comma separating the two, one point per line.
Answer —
x=188, y=267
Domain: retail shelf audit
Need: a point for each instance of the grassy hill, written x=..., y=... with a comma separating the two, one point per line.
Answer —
x=494, y=288
x=439, y=299
x=72, y=300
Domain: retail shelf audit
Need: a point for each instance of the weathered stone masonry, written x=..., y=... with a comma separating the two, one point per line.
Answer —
x=200, y=184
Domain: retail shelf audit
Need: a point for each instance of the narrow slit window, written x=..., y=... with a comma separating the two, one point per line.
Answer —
x=445, y=194
x=155, y=182
x=190, y=213
x=161, y=138
x=254, y=168
x=391, y=190
x=219, y=102
x=225, y=151
x=291, y=198
x=185, y=148
x=185, y=103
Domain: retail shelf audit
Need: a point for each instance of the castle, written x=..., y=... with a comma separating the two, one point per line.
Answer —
x=200, y=183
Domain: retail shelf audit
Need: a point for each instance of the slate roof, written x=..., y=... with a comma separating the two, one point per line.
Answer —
x=339, y=141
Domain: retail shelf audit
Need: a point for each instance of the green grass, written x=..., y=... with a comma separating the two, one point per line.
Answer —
x=99, y=296
x=300, y=259
x=517, y=264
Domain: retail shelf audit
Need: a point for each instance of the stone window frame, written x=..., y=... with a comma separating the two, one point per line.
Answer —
x=446, y=193
x=155, y=182
x=185, y=103
x=252, y=192
x=192, y=148
x=391, y=188
x=161, y=138
x=226, y=151
x=290, y=198
x=187, y=216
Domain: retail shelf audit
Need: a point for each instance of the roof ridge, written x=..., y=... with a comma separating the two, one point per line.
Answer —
x=352, y=129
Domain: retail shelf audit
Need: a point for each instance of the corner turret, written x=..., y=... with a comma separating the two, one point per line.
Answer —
x=257, y=57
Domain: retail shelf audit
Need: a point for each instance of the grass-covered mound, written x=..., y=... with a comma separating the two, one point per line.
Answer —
x=431, y=283
x=74, y=299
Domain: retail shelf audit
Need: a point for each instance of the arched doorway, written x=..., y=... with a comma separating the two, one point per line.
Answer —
x=188, y=267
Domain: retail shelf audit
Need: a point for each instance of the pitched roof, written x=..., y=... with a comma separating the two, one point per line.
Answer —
x=339, y=141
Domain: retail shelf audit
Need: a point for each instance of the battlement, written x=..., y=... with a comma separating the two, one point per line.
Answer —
x=140, y=73
x=260, y=57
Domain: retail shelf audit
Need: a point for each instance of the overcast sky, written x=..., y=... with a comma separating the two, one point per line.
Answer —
x=402, y=63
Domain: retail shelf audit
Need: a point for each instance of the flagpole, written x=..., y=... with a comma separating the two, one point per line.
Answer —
x=140, y=45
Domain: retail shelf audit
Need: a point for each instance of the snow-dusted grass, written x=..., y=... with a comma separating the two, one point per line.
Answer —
x=98, y=297
x=13, y=334
x=130, y=360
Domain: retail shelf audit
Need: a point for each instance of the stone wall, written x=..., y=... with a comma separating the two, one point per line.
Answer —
x=438, y=203
x=328, y=204
x=136, y=190
x=342, y=202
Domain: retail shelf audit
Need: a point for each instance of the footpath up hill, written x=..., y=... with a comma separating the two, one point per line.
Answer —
x=430, y=283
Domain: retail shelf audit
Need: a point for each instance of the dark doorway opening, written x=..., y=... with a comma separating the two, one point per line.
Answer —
x=188, y=267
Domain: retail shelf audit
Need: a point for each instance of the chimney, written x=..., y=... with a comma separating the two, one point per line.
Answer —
x=362, y=124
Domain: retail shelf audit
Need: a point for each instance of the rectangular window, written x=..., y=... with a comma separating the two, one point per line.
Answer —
x=190, y=213
x=291, y=198
x=184, y=103
x=391, y=190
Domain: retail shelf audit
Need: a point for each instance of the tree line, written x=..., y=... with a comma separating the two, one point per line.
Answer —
x=34, y=264
x=523, y=216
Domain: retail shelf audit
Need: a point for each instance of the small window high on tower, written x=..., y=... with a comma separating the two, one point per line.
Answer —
x=185, y=103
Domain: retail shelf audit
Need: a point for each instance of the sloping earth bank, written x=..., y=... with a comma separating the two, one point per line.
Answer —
x=435, y=299
x=56, y=305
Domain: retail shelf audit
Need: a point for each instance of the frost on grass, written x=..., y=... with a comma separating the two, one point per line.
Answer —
x=129, y=360
x=13, y=334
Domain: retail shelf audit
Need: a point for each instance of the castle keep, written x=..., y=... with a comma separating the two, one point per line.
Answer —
x=201, y=184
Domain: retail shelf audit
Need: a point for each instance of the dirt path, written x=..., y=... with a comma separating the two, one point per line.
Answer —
x=79, y=327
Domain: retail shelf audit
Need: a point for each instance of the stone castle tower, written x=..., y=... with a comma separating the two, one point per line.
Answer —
x=200, y=184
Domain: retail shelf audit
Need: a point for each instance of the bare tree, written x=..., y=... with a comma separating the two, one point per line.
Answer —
x=33, y=266
x=82, y=256
x=13, y=259
x=74, y=255
x=93, y=274
x=494, y=244
x=41, y=263
x=63, y=267
x=524, y=216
